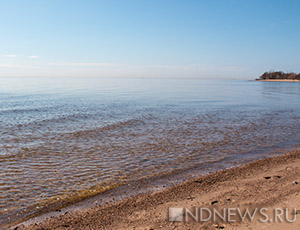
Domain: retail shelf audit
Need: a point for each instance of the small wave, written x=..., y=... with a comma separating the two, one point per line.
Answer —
x=119, y=125
x=24, y=110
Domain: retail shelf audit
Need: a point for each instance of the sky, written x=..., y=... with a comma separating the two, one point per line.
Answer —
x=212, y=39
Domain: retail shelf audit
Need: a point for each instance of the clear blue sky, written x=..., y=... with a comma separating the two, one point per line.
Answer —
x=149, y=38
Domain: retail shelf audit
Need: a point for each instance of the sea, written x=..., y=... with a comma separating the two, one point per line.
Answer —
x=65, y=139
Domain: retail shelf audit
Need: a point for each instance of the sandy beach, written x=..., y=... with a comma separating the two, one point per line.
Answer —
x=278, y=80
x=272, y=183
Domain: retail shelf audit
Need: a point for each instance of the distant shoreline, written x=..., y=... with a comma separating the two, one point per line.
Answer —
x=279, y=76
x=278, y=80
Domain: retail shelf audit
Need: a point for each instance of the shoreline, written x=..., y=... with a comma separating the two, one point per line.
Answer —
x=279, y=80
x=141, y=209
x=137, y=187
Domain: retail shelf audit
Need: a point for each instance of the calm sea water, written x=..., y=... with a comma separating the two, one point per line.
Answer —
x=67, y=138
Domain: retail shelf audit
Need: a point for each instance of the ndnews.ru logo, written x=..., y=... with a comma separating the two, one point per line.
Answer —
x=231, y=215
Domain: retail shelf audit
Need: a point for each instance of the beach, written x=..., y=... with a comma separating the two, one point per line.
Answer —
x=268, y=183
x=278, y=80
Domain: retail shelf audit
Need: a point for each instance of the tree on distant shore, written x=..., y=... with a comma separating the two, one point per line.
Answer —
x=279, y=75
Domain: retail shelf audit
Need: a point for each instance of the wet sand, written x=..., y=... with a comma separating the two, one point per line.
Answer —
x=271, y=183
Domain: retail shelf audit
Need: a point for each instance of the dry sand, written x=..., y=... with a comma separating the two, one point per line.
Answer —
x=271, y=183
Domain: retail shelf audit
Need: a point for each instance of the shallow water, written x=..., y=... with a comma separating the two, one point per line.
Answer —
x=64, y=139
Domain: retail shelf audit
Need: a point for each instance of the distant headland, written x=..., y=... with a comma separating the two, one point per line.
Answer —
x=279, y=76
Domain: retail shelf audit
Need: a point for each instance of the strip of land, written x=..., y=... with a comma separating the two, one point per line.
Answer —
x=279, y=76
x=269, y=183
x=279, y=80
